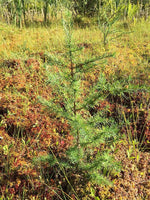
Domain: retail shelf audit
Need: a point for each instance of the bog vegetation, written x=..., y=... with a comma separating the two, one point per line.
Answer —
x=74, y=99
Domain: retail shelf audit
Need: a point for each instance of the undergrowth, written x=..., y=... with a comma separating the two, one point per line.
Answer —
x=28, y=131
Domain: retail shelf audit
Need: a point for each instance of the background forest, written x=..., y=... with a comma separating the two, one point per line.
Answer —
x=75, y=99
x=21, y=12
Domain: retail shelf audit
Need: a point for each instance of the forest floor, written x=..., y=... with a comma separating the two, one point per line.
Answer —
x=28, y=130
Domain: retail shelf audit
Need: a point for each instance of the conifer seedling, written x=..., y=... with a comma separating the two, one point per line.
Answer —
x=73, y=101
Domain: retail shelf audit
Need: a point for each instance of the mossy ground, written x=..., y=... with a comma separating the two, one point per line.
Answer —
x=28, y=130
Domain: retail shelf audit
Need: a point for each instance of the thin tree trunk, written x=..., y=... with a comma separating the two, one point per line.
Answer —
x=24, y=11
x=45, y=10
